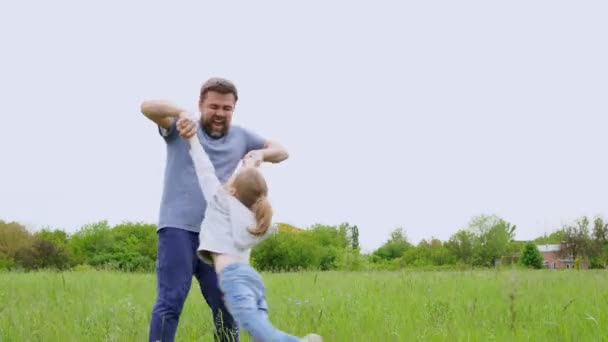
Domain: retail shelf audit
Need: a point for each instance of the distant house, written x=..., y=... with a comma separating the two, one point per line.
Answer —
x=555, y=257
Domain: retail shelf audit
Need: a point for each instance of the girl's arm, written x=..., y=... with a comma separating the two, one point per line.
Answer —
x=205, y=172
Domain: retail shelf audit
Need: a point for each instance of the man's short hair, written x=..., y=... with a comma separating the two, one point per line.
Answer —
x=219, y=85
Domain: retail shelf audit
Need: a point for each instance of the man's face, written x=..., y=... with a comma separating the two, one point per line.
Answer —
x=216, y=113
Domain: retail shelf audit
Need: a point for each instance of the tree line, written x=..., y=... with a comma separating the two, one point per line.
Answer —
x=487, y=241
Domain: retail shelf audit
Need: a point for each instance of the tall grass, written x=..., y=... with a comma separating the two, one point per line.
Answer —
x=341, y=306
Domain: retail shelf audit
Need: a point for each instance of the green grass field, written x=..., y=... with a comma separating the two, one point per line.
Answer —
x=342, y=306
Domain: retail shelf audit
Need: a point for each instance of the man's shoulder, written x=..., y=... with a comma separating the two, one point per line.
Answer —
x=243, y=133
x=237, y=129
x=239, y=132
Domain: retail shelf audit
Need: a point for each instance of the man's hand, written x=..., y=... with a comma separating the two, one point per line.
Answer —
x=253, y=158
x=186, y=127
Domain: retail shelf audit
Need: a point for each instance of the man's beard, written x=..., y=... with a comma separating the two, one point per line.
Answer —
x=213, y=129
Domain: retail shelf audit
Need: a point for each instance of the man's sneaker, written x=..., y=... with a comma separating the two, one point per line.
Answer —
x=312, y=338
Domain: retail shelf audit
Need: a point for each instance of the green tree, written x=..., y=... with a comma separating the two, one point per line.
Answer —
x=531, y=257
x=600, y=230
x=354, y=237
x=320, y=247
x=428, y=253
x=462, y=246
x=576, y=239
x=551, y=239
x=513, y=252
x=13, y=237
x=15, y=241
x=57, y=236
x=577, y=262
x=395, y=247
x=599, y=244
x=135, y=246
x=51, y=246
x=287, y=251
x=494, y=235
x=93, y=244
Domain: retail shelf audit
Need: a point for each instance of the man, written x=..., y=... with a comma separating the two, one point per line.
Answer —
x=182, y=205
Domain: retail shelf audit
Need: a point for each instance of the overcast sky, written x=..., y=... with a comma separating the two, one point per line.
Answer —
x=419, y=114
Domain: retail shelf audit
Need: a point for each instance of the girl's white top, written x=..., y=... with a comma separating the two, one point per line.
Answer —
x=226, y=222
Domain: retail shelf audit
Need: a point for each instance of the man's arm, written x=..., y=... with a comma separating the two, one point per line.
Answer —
x=161, y=112
x=272, y=152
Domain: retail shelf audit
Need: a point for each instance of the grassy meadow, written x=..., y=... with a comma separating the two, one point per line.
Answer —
x=508, y=305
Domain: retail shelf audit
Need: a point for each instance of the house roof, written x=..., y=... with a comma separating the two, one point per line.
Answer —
x=549, y=248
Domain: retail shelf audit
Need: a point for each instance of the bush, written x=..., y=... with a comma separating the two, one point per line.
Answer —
x=6, y=264
x=531, y=257
x=82, y=268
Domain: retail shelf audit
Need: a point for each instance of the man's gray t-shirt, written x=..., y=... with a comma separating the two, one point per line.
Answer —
x=182, y=203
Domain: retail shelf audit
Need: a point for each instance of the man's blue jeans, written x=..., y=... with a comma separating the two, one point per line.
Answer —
x=177, y=262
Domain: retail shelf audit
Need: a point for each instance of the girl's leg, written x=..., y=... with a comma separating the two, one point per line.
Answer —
x=226, y=329
x=243, y=292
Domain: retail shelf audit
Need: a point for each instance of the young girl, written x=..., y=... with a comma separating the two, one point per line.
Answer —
x=237, y=218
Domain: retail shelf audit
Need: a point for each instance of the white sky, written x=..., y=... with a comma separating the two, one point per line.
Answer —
x=419, y=114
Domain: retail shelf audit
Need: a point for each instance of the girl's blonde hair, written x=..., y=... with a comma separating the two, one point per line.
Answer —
x=251, y=190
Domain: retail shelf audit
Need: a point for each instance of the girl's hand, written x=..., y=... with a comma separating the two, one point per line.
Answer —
x=186, y=127
x=253, y=158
